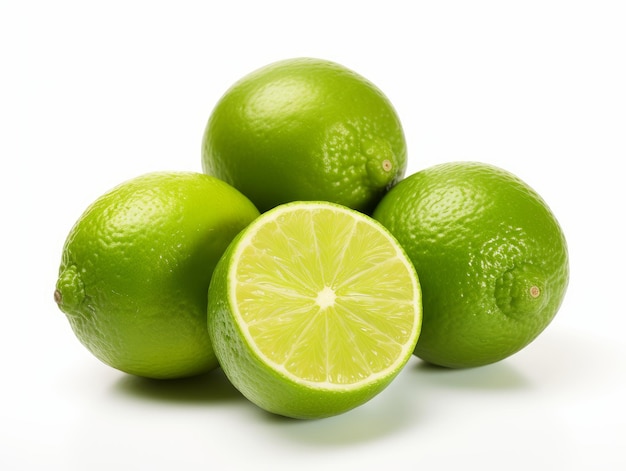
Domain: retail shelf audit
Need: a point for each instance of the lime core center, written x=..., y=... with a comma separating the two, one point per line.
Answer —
x=326, y=297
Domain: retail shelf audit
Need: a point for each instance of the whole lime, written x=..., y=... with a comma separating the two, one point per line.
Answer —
x=305, y=129
x=491, y=257
x=137, y=265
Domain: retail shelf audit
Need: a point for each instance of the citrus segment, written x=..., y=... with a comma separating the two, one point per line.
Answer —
x=319, y=296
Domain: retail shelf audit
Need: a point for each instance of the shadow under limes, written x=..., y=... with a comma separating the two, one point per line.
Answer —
x=213, y=386
x=390, y=412
x=496, y=376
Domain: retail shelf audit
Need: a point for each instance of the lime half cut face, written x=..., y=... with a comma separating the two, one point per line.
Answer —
x=319, y=299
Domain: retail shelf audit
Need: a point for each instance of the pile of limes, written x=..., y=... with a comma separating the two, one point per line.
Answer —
x=302, y=261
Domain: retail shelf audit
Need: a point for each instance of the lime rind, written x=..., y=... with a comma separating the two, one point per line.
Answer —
x=381, y=163
x=521, y=291
x=70, y=290
x=136, y=267
x=491, y=256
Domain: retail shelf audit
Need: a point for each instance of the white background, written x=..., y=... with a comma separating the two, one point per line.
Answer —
x=94, y=93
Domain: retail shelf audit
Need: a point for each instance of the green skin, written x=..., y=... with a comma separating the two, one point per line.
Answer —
x=136, y=268
x=491, y=258
x=305, y=129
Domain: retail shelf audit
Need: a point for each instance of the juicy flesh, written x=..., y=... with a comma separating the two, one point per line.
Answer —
x=325, y=297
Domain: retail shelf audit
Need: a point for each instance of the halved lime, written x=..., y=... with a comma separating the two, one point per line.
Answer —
x=313, y=309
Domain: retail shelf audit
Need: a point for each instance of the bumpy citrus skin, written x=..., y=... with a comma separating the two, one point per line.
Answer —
x=491, y=257
x=305, y=129
x=272, y=389
x=136, y=267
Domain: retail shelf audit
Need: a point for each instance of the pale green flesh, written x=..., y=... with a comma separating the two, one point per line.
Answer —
x=325, y=296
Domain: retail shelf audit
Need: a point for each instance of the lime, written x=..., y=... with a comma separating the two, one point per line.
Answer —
x=305, y=129
x=136, y=268
x=491, y=257
x=313, y=310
